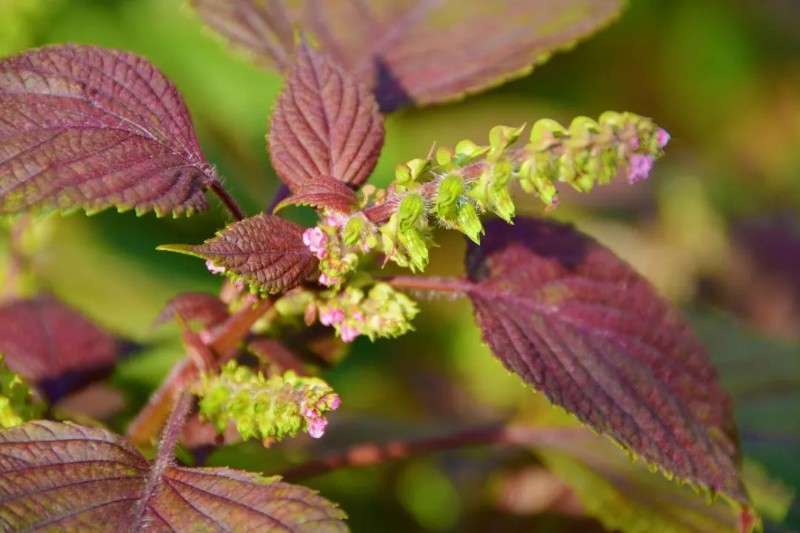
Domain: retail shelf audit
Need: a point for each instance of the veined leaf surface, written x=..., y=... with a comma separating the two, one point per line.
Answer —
x=323, y=192
x=265, y=251
x=91, y=128
x=578, y=324
x=413, y=52
x=68, y=478
x=325, y=125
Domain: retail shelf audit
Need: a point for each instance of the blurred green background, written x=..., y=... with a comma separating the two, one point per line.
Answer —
x=715, y=228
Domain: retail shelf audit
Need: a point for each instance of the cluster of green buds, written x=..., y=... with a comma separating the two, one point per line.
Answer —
x=454, y=187
x=589, y=152
x=266, y=408
x=17, y=401
x=381, y=311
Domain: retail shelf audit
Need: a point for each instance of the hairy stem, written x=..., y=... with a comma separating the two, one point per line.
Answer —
x=371, y=453
x=227, y=200
x=429, y=284
x=166, y=450
x=224, y=338
x=145, y=426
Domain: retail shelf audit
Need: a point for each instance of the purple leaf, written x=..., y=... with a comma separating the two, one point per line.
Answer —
x=581, y=326
x=323, y=192
x=54, y=346
x=66, y=477
x=261, y=28
x=201, y=307
x=265, y=251
x=85, y=127
x=414, y=51
x=325, y=125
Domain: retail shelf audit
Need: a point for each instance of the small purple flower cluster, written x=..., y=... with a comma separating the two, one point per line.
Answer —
x=316, y=240
x=641, y=164
x=327, y=248
x=315, y=422
x=639, y=167
x=333, y=316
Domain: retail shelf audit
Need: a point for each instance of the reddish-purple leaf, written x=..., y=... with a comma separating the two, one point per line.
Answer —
x=64, y=477
x=54, y=346
x=323, y=192
x=201, y=307
x=324, y=125
x=414, y=51
x=85, y=127
x=261, y=28
x=581, y=326
x=265, y=251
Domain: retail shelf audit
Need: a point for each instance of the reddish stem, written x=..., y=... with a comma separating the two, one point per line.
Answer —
x=151, y=418
x=371, y=453
x=227, y=200
x=166, y=450
x=224, y=338
x=429, y=283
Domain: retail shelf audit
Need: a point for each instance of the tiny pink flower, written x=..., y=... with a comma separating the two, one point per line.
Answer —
x=348, y=333
x=662, y=137
x=330, y=317
x=327, y=280
x=639, y=168
x=214, y=269
x=334, y=402
x=316, y=427
x=358, y=315
x=316, y=240
x=635, y=143
x=336, y=219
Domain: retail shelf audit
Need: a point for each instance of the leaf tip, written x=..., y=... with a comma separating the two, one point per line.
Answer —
x=184, y=249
